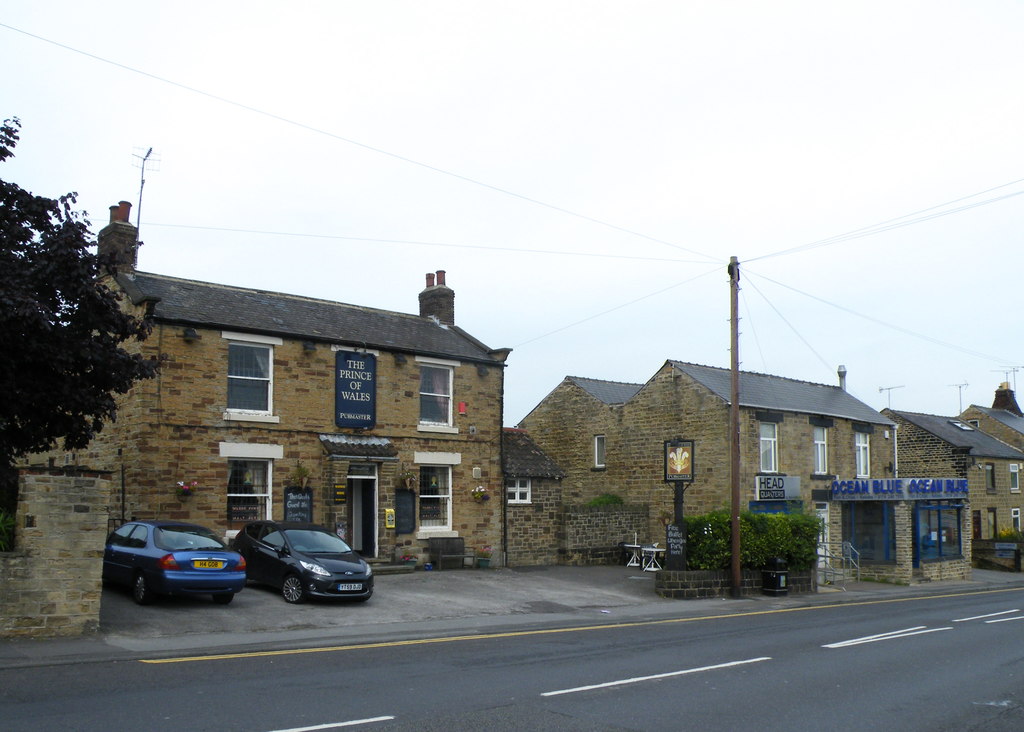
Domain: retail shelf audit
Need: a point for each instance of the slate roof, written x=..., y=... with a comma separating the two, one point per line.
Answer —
x=977, y=442
x=763, y=391
x=521, y=458
x=1003, y=416
x=208, y=305
x=609, y=392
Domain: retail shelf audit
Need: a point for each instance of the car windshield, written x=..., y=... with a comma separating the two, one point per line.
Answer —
x=185, y=538
x=316, y=542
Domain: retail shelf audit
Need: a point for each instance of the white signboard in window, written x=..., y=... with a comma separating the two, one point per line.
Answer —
x=778, y=488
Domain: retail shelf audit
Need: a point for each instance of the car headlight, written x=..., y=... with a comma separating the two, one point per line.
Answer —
x=315, y=569
x=369, y=571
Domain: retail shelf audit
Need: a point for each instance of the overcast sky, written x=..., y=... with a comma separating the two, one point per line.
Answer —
x=582, y=170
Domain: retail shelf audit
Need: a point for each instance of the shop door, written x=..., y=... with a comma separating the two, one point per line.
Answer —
x=362, y=487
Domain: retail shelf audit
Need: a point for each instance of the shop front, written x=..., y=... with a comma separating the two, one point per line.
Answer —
x=904, y=530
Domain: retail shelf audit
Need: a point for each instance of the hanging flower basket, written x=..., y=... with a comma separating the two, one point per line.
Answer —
x=186, y=489
x=480, y=494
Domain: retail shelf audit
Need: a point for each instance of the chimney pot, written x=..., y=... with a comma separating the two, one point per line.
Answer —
x=430, y=279
x=440, y=277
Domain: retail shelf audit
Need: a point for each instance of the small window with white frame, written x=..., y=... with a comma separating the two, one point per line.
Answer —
x=599, y=451
x=435, y=497
x=250, y=377
x=821, y=451
x=249, y=491
x=518, y=490
x=1015, y=519
x=769, y=438
x=862, y=454
x=1014, y=477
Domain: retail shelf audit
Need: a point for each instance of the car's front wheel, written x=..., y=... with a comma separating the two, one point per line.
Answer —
x=224, y=598
x=292, y=589
x=140, y=590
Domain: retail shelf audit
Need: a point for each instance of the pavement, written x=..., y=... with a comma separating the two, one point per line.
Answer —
x=420, y=605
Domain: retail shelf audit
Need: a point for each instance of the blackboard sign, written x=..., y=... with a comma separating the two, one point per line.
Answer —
x=340, y=493
x=675, y=547
x=298, y=504
x=405, y=512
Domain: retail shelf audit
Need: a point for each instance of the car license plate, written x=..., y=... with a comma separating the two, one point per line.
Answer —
x=207, y=563
x=352, y=587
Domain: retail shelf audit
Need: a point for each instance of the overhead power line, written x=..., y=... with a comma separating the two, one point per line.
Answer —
x=363, y=145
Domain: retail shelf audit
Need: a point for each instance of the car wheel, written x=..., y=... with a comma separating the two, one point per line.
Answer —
x=292, y=589
x=224, y=598
x=140, y=590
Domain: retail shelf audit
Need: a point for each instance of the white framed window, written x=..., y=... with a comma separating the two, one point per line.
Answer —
x=250, y=377
x=436, y=394
x=769, y=447
x=1014, y=477
x=1015, y=518
x=599, y=451
x=821, y=450
x=517, y=490
x=862, y=454
x=249, y=491
x=435, y=497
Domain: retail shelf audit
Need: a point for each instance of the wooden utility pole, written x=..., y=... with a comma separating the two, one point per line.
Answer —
x=734, y=422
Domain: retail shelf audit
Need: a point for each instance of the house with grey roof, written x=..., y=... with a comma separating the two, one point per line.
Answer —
x=384, y=426
x=610, y=437
x=929, y=444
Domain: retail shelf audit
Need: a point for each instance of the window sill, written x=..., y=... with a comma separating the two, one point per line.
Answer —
x=441, y=428
x=242, y=417
x=435, y=533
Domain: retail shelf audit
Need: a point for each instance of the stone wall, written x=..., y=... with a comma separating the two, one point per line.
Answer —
x=695, y=585
x=593, y=534
x=535, y=529
x=983, y=556
x=51, y=581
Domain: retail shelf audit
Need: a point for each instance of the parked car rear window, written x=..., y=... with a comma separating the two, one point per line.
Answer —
x=184, y=538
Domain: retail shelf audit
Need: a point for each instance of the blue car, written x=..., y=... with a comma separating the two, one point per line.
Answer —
x=172, y=558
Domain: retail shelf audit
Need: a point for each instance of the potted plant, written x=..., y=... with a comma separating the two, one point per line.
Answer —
x=483, y=556
x=406, y=479
x=407, y=557
x=299, y=475
x=480, y=494
x=186, y=488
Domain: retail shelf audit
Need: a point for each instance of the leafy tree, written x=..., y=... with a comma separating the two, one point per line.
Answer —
x=61, y=328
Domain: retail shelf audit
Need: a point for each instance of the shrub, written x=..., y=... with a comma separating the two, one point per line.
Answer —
x=606, y=499
x=794, y=537
x=6, y=530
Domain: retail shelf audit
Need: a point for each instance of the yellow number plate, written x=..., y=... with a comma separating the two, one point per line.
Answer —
x=207, y=563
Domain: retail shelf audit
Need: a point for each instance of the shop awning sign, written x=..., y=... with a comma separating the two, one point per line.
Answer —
x=899, y=489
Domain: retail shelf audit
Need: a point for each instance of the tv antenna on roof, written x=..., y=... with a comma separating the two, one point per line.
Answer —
x=143, y=159
x=888, y=395
x=960, y=394
x=1006, y=374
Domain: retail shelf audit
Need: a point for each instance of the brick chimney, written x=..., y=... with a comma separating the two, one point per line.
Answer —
x=1006, y=400
x=438, y=300
x=119, y=239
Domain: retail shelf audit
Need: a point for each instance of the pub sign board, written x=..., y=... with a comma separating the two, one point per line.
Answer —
x=355, y=389
x=679, y=460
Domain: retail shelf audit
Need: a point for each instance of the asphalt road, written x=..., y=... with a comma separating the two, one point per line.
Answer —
x=941, y=662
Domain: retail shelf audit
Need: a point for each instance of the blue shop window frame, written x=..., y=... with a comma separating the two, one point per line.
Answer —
x=937, y=532
x=870, y=527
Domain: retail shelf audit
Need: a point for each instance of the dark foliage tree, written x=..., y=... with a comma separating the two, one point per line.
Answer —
x=61, y=328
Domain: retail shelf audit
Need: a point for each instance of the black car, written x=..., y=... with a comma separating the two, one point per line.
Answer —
x=303, y=560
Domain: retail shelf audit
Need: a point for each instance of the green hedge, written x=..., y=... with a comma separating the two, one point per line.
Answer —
x=794, y=537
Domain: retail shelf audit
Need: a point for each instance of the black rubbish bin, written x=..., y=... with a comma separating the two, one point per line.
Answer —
x=775, y=577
